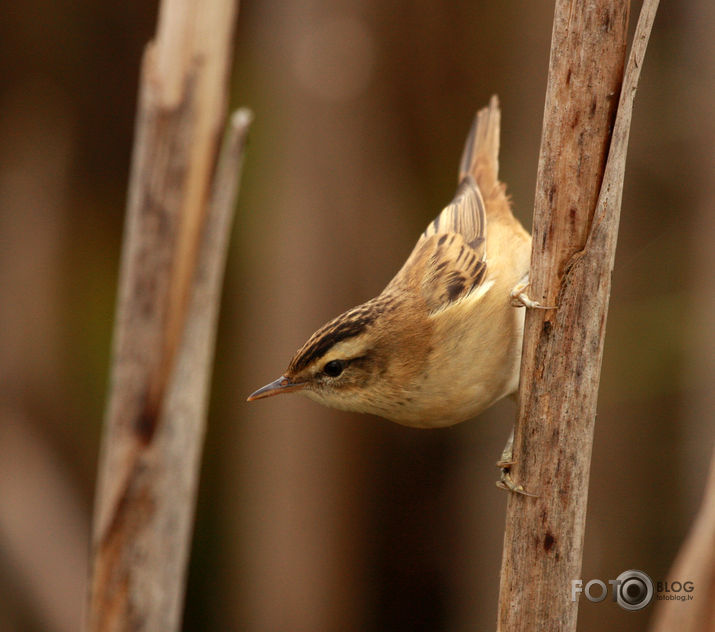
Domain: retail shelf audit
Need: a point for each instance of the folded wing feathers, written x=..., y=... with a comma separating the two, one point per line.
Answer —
x=464, y=215
x=450, y=255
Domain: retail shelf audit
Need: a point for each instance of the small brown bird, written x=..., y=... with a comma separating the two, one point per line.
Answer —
x=442, y=342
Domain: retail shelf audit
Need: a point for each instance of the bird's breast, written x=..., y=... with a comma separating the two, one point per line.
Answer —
x=468, y=368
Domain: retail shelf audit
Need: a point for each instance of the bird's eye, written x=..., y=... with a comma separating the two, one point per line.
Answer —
x=334, y=368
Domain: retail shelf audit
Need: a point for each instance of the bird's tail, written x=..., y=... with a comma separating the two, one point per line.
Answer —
x=480, y=157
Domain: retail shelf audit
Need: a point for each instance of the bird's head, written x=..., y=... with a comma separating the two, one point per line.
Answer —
x=352, y=363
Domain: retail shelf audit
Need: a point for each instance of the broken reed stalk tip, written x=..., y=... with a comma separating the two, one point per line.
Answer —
x=241, y=118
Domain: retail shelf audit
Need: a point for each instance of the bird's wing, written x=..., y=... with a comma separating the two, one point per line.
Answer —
x=449, y=259
x=465, y=215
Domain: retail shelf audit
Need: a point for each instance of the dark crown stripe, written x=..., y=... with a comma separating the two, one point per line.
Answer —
x=346, y=326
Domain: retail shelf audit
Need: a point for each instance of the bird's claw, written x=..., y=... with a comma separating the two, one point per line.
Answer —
x=519, y=297
x=507, y=483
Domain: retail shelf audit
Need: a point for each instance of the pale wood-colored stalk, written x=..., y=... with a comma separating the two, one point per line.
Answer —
x=179, y=212
x=576, y=215
x=696, y=564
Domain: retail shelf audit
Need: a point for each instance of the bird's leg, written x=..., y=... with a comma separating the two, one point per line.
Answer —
x=505, y=481
x=519, y=297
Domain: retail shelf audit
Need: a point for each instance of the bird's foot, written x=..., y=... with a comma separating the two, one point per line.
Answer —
x=519, y=297
x=507, y=483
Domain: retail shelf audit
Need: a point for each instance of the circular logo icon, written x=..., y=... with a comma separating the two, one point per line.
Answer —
x=634, y=590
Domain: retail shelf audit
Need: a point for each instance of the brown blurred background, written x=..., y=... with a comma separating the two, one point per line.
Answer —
x=310, y=519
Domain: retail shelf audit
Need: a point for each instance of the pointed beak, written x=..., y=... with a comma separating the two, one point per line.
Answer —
x=282, y=385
